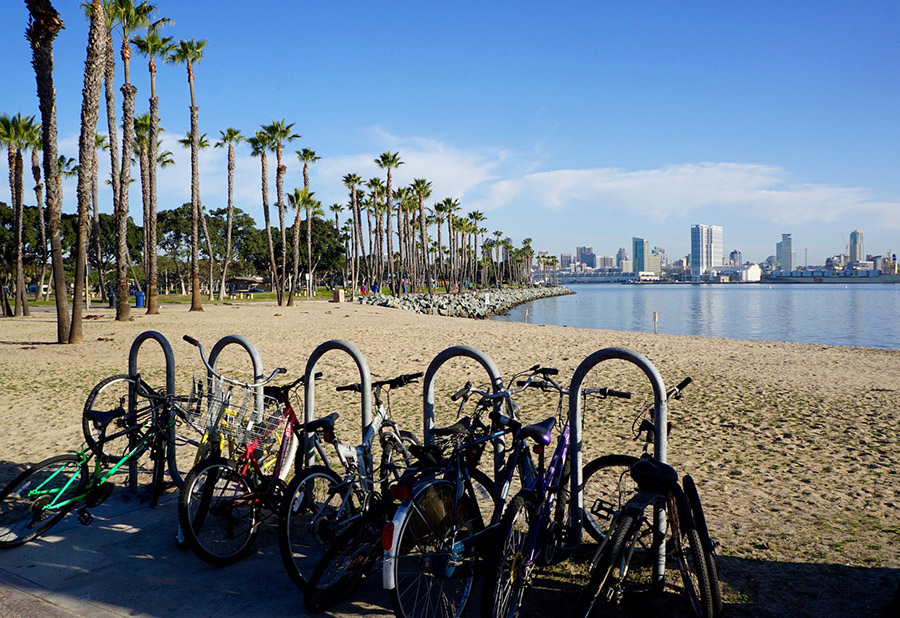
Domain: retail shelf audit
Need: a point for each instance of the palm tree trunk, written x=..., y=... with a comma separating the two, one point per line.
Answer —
x=123, y=306
x=93, y=78
x=196, y=301
x=228, y=222
x=21, y=305
x=209, y=251
x=265, y=204
x=42, y=223
x=98, y=256
x=279, y=194
x=109, y=80
x=41, y=32
x=152, y=264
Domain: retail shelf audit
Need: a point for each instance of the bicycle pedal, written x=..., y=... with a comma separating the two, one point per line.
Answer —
x=84, y=516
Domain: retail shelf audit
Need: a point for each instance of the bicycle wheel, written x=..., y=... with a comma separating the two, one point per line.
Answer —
x=709, y=549
x=108, y=403
x=347, y=561
x=551, y=538
x=218, y=513
x=315, y=507
x=610, y=567
x=607, y=486
x=508, y=570
x=434, y=570
x=395, y=457
x=689, y=555
x=28, y=504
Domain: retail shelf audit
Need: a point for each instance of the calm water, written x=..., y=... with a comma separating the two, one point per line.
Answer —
x=857, y=315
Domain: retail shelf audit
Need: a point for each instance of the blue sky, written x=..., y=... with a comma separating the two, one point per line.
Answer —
x=572, y=123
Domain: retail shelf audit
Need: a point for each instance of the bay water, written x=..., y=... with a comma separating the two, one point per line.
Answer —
x=866, y=315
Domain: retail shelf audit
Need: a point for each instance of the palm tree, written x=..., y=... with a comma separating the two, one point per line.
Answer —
x=93, y=79
x=351, y=181
x=388, y=161
x=101, y=143
x=497, y=244
x=43, y=26
x=203, y=144
x=376, y=250
x=229, y=137
x=279, y=133
x=422, y=189
x=306, y=157
x=190, y=52
x=260, y=144
x=297, y=199
x=152, y=45
x=451, y=206
x=14, y=132
x=476, y=217
x=32, y=134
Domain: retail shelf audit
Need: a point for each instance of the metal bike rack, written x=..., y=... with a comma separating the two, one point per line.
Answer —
x=576, y=504
x=254, y=357
x=428, y=391
x=309, y=383
x=133, y=372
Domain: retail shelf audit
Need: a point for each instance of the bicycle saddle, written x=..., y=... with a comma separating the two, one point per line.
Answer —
x=649, y=473
x=429, y=456
x=539, y=432
x=326, y=423
x=101, y=419
x=462, y=426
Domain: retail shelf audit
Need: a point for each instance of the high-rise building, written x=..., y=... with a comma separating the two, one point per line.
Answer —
x=784, y=254
x=640, y=253
x=606, y=262
x=586, y=256
x=621, y=256
x=735, y=258
x=706, y=249
x=857, y=254
x=565, y=261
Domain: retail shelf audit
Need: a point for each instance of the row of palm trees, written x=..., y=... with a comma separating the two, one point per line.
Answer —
x=372, y=259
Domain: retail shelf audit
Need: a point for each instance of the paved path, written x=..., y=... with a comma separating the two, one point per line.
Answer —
x=126, y=563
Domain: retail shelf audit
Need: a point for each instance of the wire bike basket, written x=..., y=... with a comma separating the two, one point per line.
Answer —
x=231, y=410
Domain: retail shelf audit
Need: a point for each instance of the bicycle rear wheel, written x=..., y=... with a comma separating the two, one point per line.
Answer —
x=347, y=561
x=108, y=429
x=689, y=555
x=313, y=511
x=218, y=512
x=434, y=570
x=28, y=504
x=610, y=567
x=508, y=568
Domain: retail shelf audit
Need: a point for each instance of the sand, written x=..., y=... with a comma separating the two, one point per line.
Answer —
x=794, y=446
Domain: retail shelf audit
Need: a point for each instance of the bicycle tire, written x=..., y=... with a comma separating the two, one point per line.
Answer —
x=423, y=565
x=610, y=558
x=217, y=520
x=24, y=517
x=310, y=510
x=110, y=395
x=391, y=451
x=602, y=499
x=552, y=537
x=689, y=555
x=709, y=550
x=346, y=562
x=508, y=571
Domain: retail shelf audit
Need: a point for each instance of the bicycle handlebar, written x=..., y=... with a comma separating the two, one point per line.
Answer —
x=209, y=368
x=398, y=382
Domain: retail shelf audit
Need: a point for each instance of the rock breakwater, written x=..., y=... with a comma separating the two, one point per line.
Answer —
x=481, y=304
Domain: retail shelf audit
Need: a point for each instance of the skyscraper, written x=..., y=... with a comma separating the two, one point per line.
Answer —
x=640, y=252
x=857, y=254
x=706, y=249
x=784, y=253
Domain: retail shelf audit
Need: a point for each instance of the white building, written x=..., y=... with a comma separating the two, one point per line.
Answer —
x=706, y=250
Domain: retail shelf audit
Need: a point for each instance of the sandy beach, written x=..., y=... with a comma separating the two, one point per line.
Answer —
x=795, y=448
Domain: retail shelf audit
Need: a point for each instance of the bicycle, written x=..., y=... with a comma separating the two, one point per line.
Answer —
x=320, y=504
x=432, y=545
x=42, y=495
x=219, y=508
x=533, y=528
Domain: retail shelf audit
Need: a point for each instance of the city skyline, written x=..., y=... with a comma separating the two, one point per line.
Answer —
x=554, y=122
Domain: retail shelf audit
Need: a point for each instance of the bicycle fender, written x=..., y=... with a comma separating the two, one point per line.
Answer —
x=390, y=556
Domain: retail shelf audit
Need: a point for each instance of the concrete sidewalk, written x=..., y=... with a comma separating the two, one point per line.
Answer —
x=126, y=563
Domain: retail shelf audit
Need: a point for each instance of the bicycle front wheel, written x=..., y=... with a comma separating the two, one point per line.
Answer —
x=218, y=512
x=606, y=488
x=691, y=561
x=38, y=498
x=109, y=430
x=434, y=564
x=315, y=508
x=510, y=567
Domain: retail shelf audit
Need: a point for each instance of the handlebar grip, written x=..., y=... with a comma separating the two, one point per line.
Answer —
x=412, y=376
x=281, y=370
x=549, y=371
x=521, y=382
x=684, y=383
x=348, y=387
x=191, y=340
x=621, y=394
x=460, y=393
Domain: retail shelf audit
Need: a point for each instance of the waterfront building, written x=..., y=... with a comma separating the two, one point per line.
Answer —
x=639, y=254
x=785, y=258
x=856, y=247
x=706, y=250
